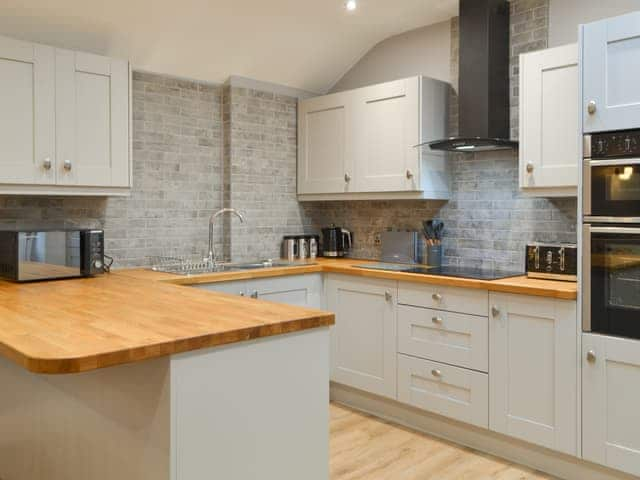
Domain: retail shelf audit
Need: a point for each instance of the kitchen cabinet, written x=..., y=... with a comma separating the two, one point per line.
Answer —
x=325, y=158
x=363, y=339
x=27, y=113
x=549, y=122
x=92, y=120
x=610, y=52
x=444, y=389
x=610, y=399
x=64, y=122
x=360, y=144
x=533, y=370
x=300, y=290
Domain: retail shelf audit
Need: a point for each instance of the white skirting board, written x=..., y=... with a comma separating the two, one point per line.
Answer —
x=256, y=409
x=560, y=465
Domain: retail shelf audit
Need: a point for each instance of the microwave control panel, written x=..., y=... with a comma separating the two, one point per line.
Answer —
x=625, y=143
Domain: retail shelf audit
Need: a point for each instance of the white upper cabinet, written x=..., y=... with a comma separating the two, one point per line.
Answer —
x=27, y=110
x=360, y=144
x=325, y=159
x=549, y=121
x=611, y=73
x=610, y=399
x=533, y=370
x=92, y=120
x=64, y=122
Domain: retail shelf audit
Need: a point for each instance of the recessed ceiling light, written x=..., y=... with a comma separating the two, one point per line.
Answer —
x=351, y=5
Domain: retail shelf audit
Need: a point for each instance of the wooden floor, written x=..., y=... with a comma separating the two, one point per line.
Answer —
x=367, y=448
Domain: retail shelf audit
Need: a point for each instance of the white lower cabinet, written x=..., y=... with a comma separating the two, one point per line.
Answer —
x=451, y=391
x=363, y=339
x=300, y=290
x=610, y=401
x=533, y=370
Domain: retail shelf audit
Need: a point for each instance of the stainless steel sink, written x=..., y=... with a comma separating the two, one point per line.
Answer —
x=183, y=266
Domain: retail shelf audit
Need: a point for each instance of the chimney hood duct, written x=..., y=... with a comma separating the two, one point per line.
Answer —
x=483, y=96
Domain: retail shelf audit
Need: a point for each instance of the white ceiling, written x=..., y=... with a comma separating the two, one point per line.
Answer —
x=307, y=44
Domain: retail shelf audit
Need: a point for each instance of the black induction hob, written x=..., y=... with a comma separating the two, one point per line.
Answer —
x=445, y=271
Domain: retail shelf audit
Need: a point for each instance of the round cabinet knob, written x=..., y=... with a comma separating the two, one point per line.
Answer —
x=591, y=107
x=46, y=163
x=495, y=311
x=436, y=373
x=436, y=297
x=591, y=356
x=529, y=167
x=409, y=174
x=67, y=165
x=437, y=320
x=388, y=296
x=347, y=177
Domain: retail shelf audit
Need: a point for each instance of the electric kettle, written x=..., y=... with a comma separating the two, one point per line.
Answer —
x=336, y=241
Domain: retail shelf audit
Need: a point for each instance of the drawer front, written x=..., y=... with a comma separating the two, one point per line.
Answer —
x=439, y=297
x=453, y=392
x=455, y=338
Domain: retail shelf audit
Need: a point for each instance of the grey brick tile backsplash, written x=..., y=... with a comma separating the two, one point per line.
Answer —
x=198, y=147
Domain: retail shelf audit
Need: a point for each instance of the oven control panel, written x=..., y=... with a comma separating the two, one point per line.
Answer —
x=625, y=143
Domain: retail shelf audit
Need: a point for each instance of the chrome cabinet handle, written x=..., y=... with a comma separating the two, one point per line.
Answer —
x=436, y=373
x=436, y=297
x=409, y=174
x=591, y=356
x=67, y=165
x=46, y=163
x=254, y=294
x=591, y=107
x=387, y=296
x=347, y=178
x=437, y=320
x=495, y=311
x=529, y=167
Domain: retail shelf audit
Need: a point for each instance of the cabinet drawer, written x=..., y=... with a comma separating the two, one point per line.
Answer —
x=453, y=392
x=455, y=338
x=454, y=299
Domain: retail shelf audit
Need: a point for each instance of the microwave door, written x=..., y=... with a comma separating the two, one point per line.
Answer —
x=611, y=280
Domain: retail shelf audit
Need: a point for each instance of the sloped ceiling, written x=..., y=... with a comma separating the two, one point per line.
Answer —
x=306, y=44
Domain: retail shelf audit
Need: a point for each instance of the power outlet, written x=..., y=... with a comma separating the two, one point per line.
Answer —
x=376, y=239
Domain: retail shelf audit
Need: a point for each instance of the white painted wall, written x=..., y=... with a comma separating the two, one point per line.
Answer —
x=566, y=15
x=424, y=51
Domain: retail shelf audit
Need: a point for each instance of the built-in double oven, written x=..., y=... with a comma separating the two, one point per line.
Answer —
x=611, y=234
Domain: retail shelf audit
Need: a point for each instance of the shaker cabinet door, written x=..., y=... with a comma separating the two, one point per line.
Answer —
x=610, y=400
x=325, y=156
x=363, y=339
x=388, y=119
x=611, y=73
x=533, y=370
x=92, y=120
x=549, y=119
x=27, y=111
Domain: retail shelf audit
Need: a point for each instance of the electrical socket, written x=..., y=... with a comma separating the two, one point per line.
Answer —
x=376, y=239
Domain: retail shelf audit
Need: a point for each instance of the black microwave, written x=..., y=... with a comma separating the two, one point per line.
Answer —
x=30, y=255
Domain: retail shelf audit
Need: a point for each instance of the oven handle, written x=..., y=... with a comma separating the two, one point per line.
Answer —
x=586, y=277
x=616, y=230
x=613, y=162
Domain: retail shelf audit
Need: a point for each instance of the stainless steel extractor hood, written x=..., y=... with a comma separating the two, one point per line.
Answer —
x=483, y=86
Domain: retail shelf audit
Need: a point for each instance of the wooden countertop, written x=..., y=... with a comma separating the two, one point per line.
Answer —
x=72, y=326
x=519, y=285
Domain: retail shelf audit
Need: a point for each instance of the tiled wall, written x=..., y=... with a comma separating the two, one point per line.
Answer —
x=177, y=174
x=261, y=157
x=488, y=220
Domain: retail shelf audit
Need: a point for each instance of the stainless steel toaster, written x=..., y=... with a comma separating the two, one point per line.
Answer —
x=552, y=261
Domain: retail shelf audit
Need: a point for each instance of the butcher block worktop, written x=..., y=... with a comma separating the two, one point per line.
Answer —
x=520, y=285
x=72, y=326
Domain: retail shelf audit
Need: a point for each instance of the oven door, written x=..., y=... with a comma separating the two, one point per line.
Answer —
x=612, y=190
x=48, y=255
x=611, y=280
